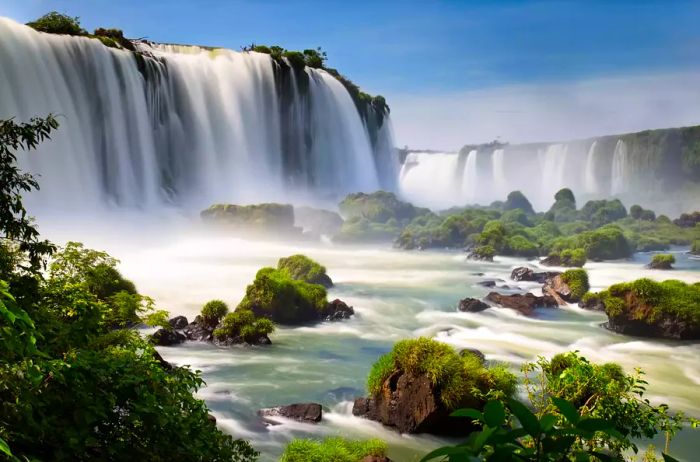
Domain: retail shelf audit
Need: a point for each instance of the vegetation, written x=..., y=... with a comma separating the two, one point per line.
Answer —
x=57, y=23
x=213, y=311
x=577, y=280
x=582, y=411
x=662, y=261
x=671, y=297
x=243, y=324
x=257, y=217
x=695, y=248
x=461, y=380
x=483, y=252
x=302, y=268
x=517, y=200
x=76, y=383
x=332, y=449
x=275, y=295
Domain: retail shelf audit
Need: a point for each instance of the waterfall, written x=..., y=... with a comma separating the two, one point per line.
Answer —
x=430, y=179
x=185, y=125
x=500, y=184
x=554, y=177
x=590, y=181
x=470, y=178
x=619, y=169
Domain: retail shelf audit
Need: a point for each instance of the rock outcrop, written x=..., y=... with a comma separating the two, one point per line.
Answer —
x=523, y=303
x=556, y=288
x=338, y=310
x=167, y=337
x=178, y=322
x=301, y=412
x=410, y=404
x=472, y=305
x=523, y=273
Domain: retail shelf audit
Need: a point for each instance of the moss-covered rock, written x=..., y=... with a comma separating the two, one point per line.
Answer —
x=335, y=449
x=258, y=218
x=378, y=207
x=416, y=386
x=303, y=268
x=646, y=308
x=317, y=221
x=564, y=207
x=662, y=261
x=242, y=326
x=517, y=200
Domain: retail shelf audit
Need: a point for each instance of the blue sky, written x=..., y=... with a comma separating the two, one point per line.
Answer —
x=445, y=50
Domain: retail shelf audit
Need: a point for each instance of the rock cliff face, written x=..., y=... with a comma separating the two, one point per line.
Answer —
x=410, y=404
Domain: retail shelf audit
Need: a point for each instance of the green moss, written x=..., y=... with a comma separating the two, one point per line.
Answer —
x=573, y=257
x=303, y=268
x=275, y=295
x=662, y=260
x=460, y=380
x=213, y=311
x=243, y=324
x=332, y=449
x=268, y=216
x=577, y=280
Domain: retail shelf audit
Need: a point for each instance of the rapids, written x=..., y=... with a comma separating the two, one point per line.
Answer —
x=396, y=295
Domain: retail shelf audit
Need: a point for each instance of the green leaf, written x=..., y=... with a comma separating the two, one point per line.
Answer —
x=595, y=425
x=526, y=418
x=494, y=414
x=567, y=409
x=482, y=437
x=547, y=422
x=471, y=413
x=444, y=451
x=668, y=458
x=5, y=448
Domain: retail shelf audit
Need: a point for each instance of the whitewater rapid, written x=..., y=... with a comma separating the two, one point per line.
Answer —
x=396, y=294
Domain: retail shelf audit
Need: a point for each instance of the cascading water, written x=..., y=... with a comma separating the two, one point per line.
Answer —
x=590, y=182
x=500, y=183
x=470, y=179
x=431, y=179
x=619, y=169
x=553, y=167
x=185, y=125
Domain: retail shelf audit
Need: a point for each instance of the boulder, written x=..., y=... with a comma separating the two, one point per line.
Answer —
x=338, y=310
x=524, y=273
x=487, y=283
x=167, y=337
x=302, y=412
x=525, y=304
x=410, y=403
x=591, y=303
x=472, y=305
x=199, y=331
x=552, y=260
x=556, y=288
x=178, y=322
x=634, y=320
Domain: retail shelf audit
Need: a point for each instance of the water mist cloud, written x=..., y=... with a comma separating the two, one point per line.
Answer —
x=549, y=112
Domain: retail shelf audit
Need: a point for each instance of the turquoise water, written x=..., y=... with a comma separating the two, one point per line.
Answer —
x=396, y=295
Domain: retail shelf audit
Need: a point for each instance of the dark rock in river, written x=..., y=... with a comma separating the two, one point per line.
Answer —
x=472, y=305
x=178, y=322
x=525, y=304
x=302, y=412
x=487, y=283
x=338, y=310
x=411, y=404
x=199, y=331
x=167, y=337
x=556, y=288
x=523, y=273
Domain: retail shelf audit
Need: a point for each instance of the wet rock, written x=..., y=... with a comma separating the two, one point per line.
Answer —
x=558, y=289
x=479, y=256
x=211, y=418
x=410, y=403
x=524, y=273
x=302, y=412
x=487, y=283
x=338, y=310
x=178, y=322
x=472, y=305
x=199, y=331
x=591, y=303
x=167, y=337
x=523, y=303
x=552, y=260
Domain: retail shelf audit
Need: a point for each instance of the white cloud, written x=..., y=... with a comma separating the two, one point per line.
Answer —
x=564, y=111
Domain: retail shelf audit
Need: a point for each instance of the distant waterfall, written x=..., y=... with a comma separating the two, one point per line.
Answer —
x=185, y=125
x=431, y=179
x=619, y=169
x=553, y=167
x=500, y=184
x=470, y=178
x=590, y=182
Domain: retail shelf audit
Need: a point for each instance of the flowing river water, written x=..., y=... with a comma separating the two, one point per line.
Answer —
x=396, y=295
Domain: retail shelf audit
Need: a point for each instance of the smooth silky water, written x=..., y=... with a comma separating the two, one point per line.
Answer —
x=396, y=294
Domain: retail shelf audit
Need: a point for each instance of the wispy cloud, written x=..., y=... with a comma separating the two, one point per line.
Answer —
x=526, y=113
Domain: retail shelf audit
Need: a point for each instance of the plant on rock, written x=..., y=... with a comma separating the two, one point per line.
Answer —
x=333, y=449
x=303, y=268
x=577, y=280
x=57, y=23
x=243, y=325
x=213, y=311
x=662, y=261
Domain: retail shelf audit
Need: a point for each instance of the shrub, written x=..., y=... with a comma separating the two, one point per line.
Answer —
x=213, y=311
x=332, y=449
x=305, y=269
x=57, y=23
x=273, y=294
x=459, y=379
x=520, y=246
x=243, y=324
x=577, y=280
x=484, y=252
x=602, y=212
x=607, y=243
x=517, y=200
x=573, y=257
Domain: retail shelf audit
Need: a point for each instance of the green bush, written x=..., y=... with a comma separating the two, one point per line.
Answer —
x=460, y=380
x=577, y=280
x=602, y=212
x=243, y=324
x=57, y=23
x=520, y=246
x=273, y=294
x=607, y=243
x=662, y=260
x=564, y=207
x=484, y=252
x=303, y=268
x=573, y=257
x=517, y=200
x=332, y=449
x=213, y=311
